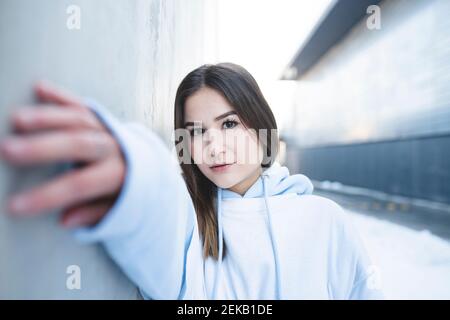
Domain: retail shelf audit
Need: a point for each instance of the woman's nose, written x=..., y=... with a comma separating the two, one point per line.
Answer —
x=212, y=136
x=214, y=144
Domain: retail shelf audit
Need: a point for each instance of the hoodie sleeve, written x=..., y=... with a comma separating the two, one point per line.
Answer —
x=150, y=227
x=366, y=282
x=355, y=277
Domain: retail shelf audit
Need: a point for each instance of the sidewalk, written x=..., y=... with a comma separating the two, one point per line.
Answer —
x=413, y=264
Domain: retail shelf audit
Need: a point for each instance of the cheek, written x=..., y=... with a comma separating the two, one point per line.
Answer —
x=247, y=149
x=195, y=149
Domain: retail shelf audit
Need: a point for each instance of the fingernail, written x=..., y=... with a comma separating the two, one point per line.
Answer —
x=19, y=205
x=13, y=146
x=42, y=84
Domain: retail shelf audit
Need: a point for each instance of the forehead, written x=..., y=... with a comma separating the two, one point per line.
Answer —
x=206, y=104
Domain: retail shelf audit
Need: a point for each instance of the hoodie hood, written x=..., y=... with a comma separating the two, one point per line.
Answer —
x=278, y=181
x=273, y=181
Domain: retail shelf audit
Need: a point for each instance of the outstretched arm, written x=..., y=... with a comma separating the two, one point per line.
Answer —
x=149, y=229
x=123, y=189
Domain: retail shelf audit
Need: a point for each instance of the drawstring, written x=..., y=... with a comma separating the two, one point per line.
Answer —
x=219, y=223
x=274, y=246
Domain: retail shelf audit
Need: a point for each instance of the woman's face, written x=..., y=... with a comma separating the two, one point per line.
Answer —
x=218, y=137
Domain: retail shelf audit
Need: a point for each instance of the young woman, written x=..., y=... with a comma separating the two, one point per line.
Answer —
x=223, y=227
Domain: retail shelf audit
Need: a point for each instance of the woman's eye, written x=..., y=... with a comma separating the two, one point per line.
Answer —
x=229, y=124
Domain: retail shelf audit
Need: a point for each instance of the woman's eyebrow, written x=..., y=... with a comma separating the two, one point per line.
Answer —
x=226, y=114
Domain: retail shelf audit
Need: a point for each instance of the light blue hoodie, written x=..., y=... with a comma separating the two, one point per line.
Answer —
x=281, y=241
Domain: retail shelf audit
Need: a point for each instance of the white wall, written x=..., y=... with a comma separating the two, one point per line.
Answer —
x=378, y=84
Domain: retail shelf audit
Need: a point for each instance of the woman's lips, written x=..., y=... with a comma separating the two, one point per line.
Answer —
x=221, y=168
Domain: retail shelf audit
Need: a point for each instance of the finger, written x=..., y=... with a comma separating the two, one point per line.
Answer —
x=99, y=180
x=59, y=146
x=86, y=215
x=47, y=92
x=50, y=117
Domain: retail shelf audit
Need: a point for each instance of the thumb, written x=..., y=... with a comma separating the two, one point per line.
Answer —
x=85, y=214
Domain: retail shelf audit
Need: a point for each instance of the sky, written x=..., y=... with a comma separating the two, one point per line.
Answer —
x=263, y=36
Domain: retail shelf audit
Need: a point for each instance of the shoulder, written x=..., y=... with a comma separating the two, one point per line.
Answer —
x=326, y=215
x=321, y=213
x=320, y=207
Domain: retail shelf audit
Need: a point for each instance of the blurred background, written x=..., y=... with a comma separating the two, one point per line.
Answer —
x=360, y=90
x=361, y=93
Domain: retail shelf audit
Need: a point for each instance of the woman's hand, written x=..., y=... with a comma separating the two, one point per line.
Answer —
x=62, y=129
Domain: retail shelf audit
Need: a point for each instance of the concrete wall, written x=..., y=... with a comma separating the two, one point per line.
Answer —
x=130, y=55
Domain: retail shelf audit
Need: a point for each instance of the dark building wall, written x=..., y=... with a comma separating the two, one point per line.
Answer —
x=413, y=167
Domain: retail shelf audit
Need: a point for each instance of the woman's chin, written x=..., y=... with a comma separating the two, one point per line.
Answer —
x=225, y=183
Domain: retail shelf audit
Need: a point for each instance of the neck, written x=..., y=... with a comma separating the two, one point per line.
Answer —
x=242, y=187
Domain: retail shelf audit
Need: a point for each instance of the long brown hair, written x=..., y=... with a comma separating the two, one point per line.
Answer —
x=242, y=92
